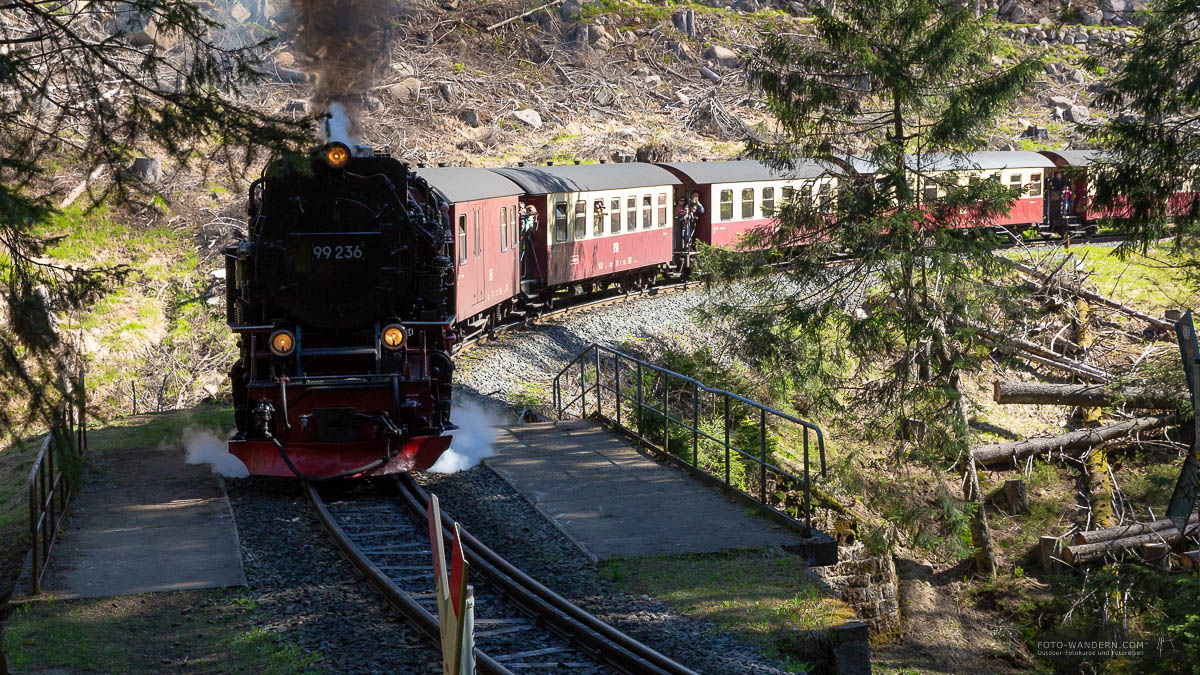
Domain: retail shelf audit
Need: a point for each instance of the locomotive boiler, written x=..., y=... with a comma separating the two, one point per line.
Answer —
x=340, y=297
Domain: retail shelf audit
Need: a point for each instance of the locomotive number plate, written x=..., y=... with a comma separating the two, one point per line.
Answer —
x=337, y=252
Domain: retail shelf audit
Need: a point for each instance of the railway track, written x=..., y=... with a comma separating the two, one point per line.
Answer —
x=520, y=624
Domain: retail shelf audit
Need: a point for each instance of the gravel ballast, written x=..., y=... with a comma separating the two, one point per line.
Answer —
x=309, y=595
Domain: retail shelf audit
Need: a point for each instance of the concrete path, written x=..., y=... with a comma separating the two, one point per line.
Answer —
x=614, y=501
x=145, y=521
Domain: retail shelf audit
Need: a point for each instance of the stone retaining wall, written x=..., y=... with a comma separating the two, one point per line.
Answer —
x=867, y=583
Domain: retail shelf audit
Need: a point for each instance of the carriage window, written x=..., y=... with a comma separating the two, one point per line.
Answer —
x=614, y=215
x=806, y=195
x=1014, y=183
x=580, y=219
x=516, y=226
x=1035, y=185
x=747, y=203
x=478, y=239
x=560, y=221
x=789, y=193
x=726, y=204
x=598, y=218
x=462, y=239
x=826, y=192
x=930, y=193
x=768, y=201
x=647, y=211
x=631, y=214
x=503, y=229
x=662, y=209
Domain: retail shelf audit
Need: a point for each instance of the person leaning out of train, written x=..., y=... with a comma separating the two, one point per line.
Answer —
x=528, y=219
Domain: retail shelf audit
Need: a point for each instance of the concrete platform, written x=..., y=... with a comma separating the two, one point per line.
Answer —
x=614, y=501
x=144, y=521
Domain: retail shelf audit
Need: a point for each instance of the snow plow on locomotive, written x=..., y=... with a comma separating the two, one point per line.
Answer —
x=340, y=297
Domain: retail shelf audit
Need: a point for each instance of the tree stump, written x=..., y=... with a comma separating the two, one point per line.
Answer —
x=1050, y=552
x=1018, y=499
x=1157, y=555
x=146, y=169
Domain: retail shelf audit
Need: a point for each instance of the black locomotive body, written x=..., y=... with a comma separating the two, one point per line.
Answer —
x=340, y=298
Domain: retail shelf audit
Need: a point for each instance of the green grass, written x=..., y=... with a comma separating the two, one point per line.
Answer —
x=762, y=595
x=1148, y=283
x=207, y=631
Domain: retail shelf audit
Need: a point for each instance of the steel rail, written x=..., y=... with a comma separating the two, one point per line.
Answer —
x=604, y=642
x=413, y=612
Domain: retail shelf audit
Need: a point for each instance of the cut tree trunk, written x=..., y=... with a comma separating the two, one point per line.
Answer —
x=1083, y=553
x=1008, y=453
x=1083, y=395
x=1127, y=531
x=1094, y=297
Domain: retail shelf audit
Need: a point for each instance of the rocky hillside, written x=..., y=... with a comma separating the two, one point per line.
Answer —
x=599, y=79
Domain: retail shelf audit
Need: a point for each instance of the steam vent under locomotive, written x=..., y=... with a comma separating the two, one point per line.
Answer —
x=340, y=298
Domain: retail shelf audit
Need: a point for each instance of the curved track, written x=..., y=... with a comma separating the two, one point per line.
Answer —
x=520, y=624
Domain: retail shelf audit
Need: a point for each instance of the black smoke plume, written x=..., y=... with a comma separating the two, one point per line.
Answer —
x=344, y=44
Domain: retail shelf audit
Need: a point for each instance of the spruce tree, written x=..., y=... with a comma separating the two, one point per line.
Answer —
x=91, y=85
x=1149, y=169
x=881, y=285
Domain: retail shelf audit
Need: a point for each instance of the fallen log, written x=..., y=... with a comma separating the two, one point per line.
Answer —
x=1083, y=374
x=1127, y=530
x=1008, y=453
x=1094, y=297
x=1084, y=395
x=1084, y=553
x=1046, y=356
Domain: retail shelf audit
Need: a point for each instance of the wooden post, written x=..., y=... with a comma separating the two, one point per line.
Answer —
x=1018, y=499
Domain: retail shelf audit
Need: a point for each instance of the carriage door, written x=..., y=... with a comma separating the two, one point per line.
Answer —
x=477, y=255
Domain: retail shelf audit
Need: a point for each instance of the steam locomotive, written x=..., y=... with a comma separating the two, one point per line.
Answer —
x=340, y=297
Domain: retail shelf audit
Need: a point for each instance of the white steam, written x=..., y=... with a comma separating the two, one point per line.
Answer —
x=337, y=125
x=473, y=440
x=204, y=447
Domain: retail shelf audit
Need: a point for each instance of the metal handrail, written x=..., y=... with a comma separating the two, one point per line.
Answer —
x=49, y=485
x=640, y=404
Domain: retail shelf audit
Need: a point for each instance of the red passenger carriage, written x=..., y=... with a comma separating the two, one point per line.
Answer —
x=483, y=211
x=596, y=224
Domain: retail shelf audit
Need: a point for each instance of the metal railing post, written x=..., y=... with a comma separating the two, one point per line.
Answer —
x=599, y=407
x=695, y=423
x=617, y=383
x=762, y=426
x=33, y=534
x=582, y=389
x=666, y=412
x=557, y=398
x=640, y=400
x=726, y=440
x=807, y=502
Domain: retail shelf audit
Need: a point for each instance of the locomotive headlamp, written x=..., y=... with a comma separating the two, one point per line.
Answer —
x=336, y=155
x=282, y=342
x=394, y=336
